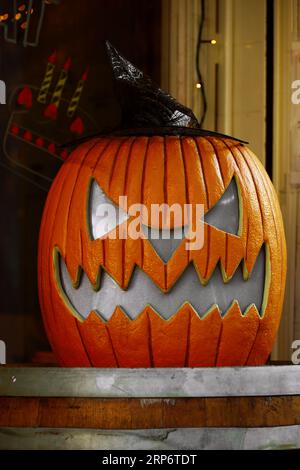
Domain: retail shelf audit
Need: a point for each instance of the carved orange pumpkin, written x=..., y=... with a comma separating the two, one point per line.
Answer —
x=129, y=303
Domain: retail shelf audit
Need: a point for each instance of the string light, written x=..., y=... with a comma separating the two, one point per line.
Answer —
x=200, y=85
x=198, y=65
x=209, y=41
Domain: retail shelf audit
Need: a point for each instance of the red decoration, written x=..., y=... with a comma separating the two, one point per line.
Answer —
x=77, y=126
x=39, y=142
x=25, y=97
x=51, y=147
x=51, y=111
x=14, y=129
x=27, y=136
x=67, y=64
x=85, y=74
x=64, y=154
x=52, y=57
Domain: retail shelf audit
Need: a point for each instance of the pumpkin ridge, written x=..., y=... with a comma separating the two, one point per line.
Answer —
x=208, y=253
x=203, y=174
x=65, y=241
x=254, y=182
x=123, y=242
x=142, y=192
x=224, y=155
x=150, y=339
x=183, y=157
x=218, y=345
x=112, y=345
x=207, y=250
x=215, y=155
x=75, y=242
x=251, y=225
x=188, y=339
x=282, y=238
x=83, y=344
x=254, y=342
x=244, y=329
x=259, y=199
x=71, y=323
x=273, y=323
x=193, y=165
x=269, y=199
x=211, y=141
x=123, y=143
x=211, y=171
x=44, y=236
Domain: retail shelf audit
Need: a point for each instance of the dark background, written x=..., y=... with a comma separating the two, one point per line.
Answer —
x=75, y=29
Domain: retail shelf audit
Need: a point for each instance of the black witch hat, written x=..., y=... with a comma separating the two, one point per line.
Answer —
x=145, y=108
x=143, y=104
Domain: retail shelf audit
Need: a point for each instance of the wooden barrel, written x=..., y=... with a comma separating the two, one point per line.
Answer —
x=50, y=407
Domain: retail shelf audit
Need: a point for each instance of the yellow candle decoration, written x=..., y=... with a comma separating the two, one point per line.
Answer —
x=42, y=96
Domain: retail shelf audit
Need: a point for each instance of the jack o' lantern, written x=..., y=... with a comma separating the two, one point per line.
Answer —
x=144, y=302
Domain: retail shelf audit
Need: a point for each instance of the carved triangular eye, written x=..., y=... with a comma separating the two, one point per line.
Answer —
x=104, y=215
x=225, y=214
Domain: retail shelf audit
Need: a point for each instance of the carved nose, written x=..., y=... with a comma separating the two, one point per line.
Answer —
x=165, y=242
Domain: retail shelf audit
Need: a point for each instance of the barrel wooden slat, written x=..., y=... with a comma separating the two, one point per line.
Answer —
x=98, y=413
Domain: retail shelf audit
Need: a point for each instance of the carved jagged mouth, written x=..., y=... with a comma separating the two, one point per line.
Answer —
x=143, y=292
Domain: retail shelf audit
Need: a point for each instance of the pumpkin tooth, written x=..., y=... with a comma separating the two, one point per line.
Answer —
x=92, y=260
x=204, y=336
x=95, y=280
x=142, y=342
x=243, y=329
x=169, y=353
x=233, y=257
x=142, y=291
x=128, y=338
x=251, y=310
x=97, y=341
x=74, y=270
x=250, y=260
